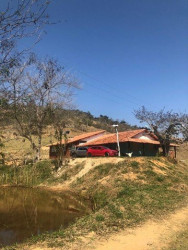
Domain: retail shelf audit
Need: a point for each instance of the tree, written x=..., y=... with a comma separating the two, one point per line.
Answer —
x=61, y=120
x=2, y=159
x=184, y=129
x=165, y=125
x=34, y=89
x=20, y=19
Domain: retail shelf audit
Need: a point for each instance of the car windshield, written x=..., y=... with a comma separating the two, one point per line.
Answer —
x=82, y=148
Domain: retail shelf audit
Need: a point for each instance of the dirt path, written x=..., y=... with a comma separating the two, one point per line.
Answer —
x=91, y=163
x=152, y=235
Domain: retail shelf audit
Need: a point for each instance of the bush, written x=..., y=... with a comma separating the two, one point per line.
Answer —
x=27, y=175
x=43, y=169
x=99, y=218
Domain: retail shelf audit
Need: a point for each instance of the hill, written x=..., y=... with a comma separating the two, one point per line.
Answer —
x=182, y=152
x=17, y=149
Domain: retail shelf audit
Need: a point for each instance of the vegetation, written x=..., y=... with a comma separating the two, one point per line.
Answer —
x=165, y=125
x=28, y=175
x=124, y=196
x=24, y=19
x=100, y=122
x=32, y=99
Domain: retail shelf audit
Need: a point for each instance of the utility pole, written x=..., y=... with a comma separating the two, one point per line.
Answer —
x=117, y=135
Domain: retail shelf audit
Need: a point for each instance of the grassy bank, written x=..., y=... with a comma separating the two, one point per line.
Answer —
x=27, y=175
x=124, y=195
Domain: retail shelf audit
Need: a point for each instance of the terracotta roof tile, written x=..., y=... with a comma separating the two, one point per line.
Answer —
x=126, y=136
x=86, y=135
x=81, y=137
x=111, y=138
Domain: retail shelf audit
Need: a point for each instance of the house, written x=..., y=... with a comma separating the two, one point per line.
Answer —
x=139, y=142
x=75, y=141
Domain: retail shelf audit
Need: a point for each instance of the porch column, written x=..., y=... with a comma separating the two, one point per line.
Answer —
x=175, y=150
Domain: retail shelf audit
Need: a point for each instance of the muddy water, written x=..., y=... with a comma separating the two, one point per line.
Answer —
x=25, y=212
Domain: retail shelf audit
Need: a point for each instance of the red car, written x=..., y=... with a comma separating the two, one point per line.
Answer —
x=101, y=151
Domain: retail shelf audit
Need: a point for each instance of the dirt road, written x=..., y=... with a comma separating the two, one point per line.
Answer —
x=152, y=235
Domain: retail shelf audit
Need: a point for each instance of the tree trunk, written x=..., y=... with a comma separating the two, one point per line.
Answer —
x=38, y=148
x=166, y=148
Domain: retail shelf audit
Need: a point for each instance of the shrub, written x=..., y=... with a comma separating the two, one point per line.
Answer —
x=26, y=175
x=43, y=169
x=99, y=218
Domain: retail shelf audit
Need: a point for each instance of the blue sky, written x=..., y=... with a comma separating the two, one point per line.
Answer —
x=125, y=53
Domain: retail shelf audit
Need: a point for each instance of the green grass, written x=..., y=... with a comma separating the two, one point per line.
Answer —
x=134, y=164
x=28, y=175
x=104, y=169
x=120, y=203
x=99, y=217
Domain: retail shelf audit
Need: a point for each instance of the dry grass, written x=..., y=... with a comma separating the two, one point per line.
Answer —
x=17, y=148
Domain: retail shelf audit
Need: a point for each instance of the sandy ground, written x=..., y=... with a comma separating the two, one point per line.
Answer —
x=152, y=235
x=91, y=163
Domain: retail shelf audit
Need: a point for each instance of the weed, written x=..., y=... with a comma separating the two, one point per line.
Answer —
x=79, y=180
x=160, y=178
x=141, y=177
x=100, y=199
x=149, y=173
x=128, y=190
x=115, y=211
x=28, y=175
x=104, y=169
x=55, y=244
x=135, y=164
x=99, y=218
x=64, y=176
x=44, y=169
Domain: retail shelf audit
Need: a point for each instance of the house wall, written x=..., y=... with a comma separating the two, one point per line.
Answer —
x=151, y=149
x=53, y=149
x=144, y=136
x=138, y=149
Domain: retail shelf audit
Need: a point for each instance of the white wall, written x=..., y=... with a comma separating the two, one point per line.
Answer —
x=144, y=136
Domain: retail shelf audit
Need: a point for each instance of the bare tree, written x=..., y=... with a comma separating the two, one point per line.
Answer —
x=165, y=125
x=20, y=19
x=2, y=159
x=184, y=128
x=60, y=121
x=34, y=89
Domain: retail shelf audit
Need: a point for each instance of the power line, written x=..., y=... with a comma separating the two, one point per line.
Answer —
x=111, y=89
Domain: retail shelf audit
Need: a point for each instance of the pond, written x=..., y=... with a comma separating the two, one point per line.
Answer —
x=30, y=211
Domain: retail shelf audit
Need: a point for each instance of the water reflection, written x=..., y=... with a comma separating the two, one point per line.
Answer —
x=25, y=212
